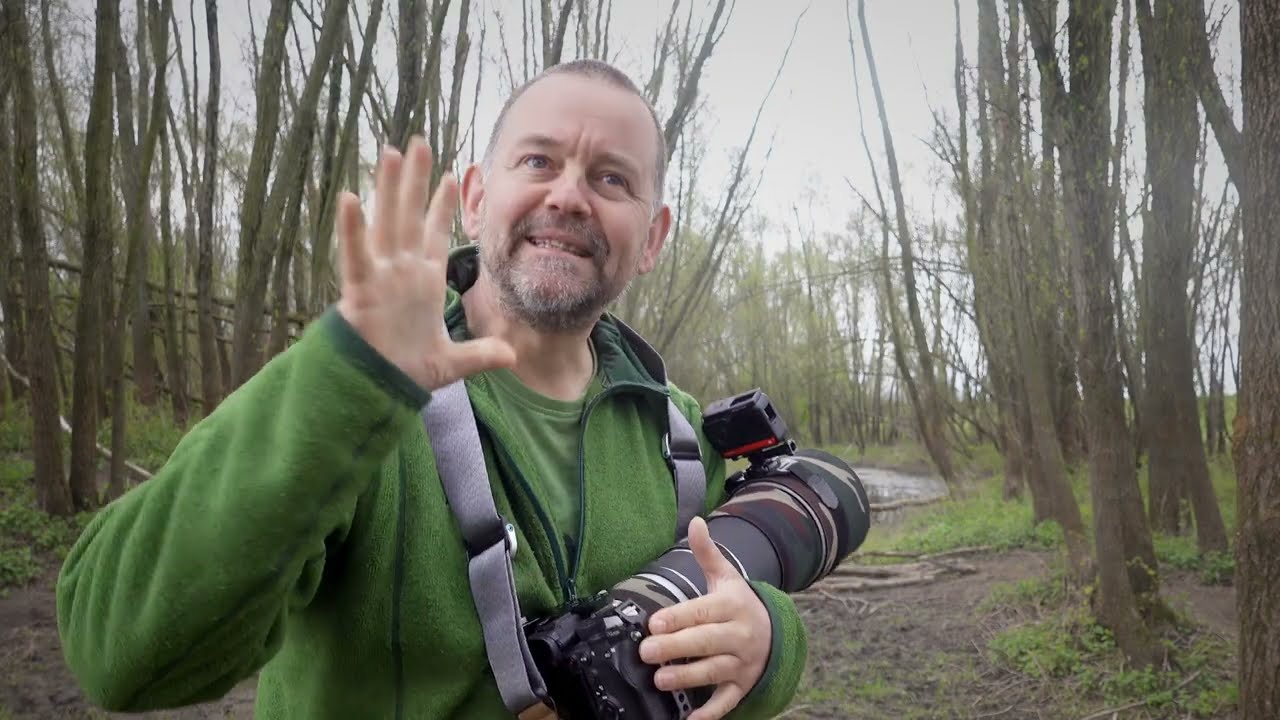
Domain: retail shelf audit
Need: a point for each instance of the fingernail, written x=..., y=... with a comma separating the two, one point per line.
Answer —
x=658, y=625
x=661, y=679
x=646, y=650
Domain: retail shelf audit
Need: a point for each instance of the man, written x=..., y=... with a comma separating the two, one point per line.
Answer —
x=301, y=529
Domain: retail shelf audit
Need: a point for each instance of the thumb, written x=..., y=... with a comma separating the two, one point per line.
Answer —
x=486, y=353
x=713, y=563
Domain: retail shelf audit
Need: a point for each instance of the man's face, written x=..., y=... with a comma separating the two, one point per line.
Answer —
x=565, y=216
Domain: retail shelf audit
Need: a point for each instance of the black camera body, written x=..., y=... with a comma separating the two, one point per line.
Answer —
x=589, y=658
x=788, y=519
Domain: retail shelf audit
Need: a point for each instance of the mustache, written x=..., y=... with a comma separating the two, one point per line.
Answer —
x=585, y=231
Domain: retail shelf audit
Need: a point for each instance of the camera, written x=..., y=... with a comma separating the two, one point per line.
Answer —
x=789, y=518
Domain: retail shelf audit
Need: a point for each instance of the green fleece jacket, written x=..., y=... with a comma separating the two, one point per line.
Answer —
x=300, y=531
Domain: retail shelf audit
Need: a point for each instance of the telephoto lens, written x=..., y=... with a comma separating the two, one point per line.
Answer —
x=789, y=520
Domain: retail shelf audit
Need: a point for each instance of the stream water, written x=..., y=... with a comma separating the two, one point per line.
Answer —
x=888, y=485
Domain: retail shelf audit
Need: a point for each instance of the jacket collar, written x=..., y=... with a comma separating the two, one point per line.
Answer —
x=623, y=356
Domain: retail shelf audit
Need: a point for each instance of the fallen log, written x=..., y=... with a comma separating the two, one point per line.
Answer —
x=968, y=550
x=138, y=471
x=907, y=502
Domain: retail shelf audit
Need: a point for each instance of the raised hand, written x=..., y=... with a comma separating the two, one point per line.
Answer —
x=393, y=273
x=725, y=634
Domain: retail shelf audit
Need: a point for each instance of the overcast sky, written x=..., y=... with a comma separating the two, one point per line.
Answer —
x=811, y=118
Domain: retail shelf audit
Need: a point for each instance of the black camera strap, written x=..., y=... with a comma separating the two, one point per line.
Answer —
x=491, y=541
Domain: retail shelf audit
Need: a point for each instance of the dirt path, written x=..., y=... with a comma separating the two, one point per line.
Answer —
x=35, y=682
x=919, y=651
x=909, y=652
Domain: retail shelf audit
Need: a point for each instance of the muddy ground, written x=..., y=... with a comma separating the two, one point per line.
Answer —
x=907, y=652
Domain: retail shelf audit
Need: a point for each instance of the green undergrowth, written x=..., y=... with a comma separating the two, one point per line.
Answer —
x=978, y=515
x=1052, y=639
x=31, y=540
x=27, y=535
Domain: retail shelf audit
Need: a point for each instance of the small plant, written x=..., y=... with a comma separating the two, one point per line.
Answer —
x=1066, y=645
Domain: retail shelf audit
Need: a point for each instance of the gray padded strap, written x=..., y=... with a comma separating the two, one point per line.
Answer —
x=680, y=446
x=685, y=456
x=455, y=439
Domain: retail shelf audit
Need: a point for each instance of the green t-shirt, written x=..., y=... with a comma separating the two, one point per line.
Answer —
x=549, y=431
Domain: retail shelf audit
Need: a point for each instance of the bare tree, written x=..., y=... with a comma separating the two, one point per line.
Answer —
x=52, y=491
x=211, y=375
x=924, y=391
x=1079, y=124
x=286, y=192
x=87, y=363
x=1178, y=463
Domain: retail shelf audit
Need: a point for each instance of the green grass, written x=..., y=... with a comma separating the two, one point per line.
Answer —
x=978, y=517
x=1073, y=657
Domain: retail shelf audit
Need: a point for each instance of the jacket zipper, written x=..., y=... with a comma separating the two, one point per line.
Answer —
x=576, y=559
x=566, y=584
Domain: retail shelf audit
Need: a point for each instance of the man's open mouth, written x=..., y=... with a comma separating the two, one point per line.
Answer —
x=549, y=244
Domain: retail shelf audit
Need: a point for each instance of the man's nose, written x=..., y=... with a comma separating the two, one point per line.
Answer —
x=568, y=194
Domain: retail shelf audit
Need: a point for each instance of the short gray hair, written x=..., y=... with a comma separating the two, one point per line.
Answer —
x=598, y=70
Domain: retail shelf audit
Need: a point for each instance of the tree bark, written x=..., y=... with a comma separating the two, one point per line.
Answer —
x=1178, y=466
x=172, y=344
x=1257, y=423
x=52, y=491
x=58, y=96
x=255, y=198
x=210, y=370
x=1080, y=127
x=1216, y=110
x=286, y=191
x=87, y=363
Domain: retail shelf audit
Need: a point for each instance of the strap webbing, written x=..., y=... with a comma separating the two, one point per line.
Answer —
x=681, y=443
x=452, y=430
x=455, y=438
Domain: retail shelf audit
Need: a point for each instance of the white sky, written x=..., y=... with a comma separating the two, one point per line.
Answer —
x=811, y=117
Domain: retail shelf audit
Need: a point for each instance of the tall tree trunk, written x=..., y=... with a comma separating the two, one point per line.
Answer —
x=58, y=96
x=52, y=491
x=286, y=191
x=1027, y=273
x=210, y=371
x=11, y=343
x=175, y=301
x=1177, y=459
x=137, y=171
x=1257, y=423
x=133, y=308
x=409, y=64
x=1080, y=127
x=322, y=268
x=255, y=198
x=926, y=401
x=1067, y=405
x=1178, y=463
x=96, y=270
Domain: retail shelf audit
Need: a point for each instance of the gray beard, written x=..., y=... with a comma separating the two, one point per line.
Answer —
x=531, y=290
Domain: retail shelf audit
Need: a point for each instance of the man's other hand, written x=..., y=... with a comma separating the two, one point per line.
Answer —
x=725, y=634
x=393, y=273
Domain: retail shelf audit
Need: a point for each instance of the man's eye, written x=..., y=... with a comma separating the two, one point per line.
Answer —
x=614, y=179
x=537, y=162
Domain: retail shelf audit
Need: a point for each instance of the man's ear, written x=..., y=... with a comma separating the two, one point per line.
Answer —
x=657, y=237
x=472, y=200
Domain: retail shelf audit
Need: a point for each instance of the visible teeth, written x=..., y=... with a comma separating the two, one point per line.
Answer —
x=556, y=246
